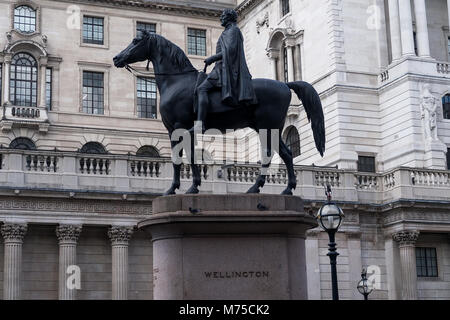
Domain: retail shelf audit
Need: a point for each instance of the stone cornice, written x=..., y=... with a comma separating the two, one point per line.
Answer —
x=246, y=6
x=13, y=231
x=160, y=7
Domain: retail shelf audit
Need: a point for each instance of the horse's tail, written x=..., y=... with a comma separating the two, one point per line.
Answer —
x=311, y=102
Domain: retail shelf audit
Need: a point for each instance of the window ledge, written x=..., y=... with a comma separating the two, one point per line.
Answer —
x=93, y=45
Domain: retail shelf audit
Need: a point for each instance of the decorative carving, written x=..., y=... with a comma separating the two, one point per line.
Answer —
x=9, y=37
x=406, y=237
x=120, y=234
x=68, y=232
x=428, y=105
x=75, y=205
x=264, y=21
x=13, y=231
x=44, y=40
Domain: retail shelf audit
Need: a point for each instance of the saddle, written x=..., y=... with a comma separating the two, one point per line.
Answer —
x=215, y=97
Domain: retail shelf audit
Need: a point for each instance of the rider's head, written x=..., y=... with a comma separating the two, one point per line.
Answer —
x=227, y=16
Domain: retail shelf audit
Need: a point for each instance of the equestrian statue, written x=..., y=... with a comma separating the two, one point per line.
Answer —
x=227, y=98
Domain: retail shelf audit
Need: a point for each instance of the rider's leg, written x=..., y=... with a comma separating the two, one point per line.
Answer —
x=203, y=104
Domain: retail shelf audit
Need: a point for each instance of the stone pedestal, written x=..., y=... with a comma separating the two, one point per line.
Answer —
x=229, y=247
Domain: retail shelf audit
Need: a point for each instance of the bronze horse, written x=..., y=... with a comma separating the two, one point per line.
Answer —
x=176, y=79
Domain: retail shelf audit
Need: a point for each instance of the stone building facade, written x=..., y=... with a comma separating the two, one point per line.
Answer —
x=84, y=151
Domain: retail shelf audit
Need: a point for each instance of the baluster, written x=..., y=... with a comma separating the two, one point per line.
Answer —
x=144, y=168
x=35, y=163
x=133, y=167
x=157, y=167
x=100, y=166
x=139, y=168
x=55, y=164
x=94, y=165
x=150, y=168
x=107, y=162
x=88, y=165
x=82, y=165
x=48, y=162
x=28, y=160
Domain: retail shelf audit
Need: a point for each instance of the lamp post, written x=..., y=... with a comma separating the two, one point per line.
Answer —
x=363, y=285
x=330, y=217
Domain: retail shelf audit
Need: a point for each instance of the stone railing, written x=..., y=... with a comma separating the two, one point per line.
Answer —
x=25, y=113
x=60, y=171
x=443, y=67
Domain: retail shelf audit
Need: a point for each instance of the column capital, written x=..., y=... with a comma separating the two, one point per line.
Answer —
x=120, y=234
x=407, y=237
x=68, y=233
x=14, y=231
x=7, y=58
x=273, y=53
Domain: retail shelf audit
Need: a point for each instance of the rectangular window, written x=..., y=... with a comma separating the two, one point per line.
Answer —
x=426, y=262
x=196, y=42
x=93, y=92
x=93, y=30
x=150, y=27
x=1, y=81
x=366, y=164
x=446, y=106
x=48, y=88
x=146, y=98
x=448, y=159
x=448, y=48
x=284, y=7
x=285, y=65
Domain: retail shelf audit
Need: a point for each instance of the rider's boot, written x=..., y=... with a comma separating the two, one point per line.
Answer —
x=203, y=103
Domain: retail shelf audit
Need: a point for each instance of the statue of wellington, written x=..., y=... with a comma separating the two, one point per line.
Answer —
x=230, y=72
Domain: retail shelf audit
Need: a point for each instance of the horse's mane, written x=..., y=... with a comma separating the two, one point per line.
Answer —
x=170, y=51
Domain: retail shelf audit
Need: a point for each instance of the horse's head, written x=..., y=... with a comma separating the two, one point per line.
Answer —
x=138, y=50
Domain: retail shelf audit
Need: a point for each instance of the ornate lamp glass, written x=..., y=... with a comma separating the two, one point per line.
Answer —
x=363, y=285
x=330, y=216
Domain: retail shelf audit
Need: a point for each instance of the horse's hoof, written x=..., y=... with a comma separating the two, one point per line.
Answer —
x=193, y=190
x=254, y=190
x=169, y=192
x=287, y=192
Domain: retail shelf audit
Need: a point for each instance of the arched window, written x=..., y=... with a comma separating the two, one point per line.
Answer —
x=23, y=80
x=446, y=106
x=93, y=147
x=293, y=140
x=25, y=19
x=23, y=144
x=148, y=151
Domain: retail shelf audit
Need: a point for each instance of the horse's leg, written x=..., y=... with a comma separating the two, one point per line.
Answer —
x=286, y=155
x=176, y=172
x=261, y=179
x=196, y=176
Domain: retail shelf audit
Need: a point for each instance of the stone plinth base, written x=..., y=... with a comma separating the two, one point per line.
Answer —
x=229, y=247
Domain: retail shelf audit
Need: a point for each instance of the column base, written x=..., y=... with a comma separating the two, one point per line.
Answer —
x=229, y=247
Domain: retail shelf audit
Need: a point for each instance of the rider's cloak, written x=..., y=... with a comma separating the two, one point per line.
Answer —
x=236, y=82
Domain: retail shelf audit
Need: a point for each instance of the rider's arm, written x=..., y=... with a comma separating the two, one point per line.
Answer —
x=214, y=58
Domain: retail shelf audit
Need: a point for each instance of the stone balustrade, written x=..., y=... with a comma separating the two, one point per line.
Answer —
x=25, y=113
x=70, y=171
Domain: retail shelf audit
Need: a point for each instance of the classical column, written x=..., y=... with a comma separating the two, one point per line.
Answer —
x=394, y=22
x=423, y=43
x=43, y=67
x=448, y=8
x=67, y=237
x=7, y=67
x=290, y=59
x=13, y=235
x=406, y=27
x=407, y=246
x=120, y=235
x=273, y=55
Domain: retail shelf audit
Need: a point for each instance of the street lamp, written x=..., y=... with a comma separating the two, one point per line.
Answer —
x=363, y=285
x=330, y=217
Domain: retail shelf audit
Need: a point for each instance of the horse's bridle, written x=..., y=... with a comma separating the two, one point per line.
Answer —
x=135, y=72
